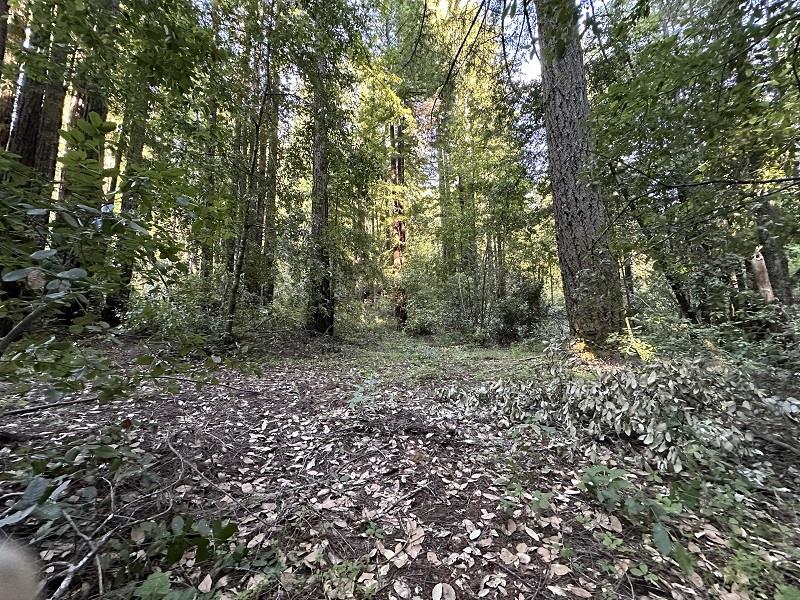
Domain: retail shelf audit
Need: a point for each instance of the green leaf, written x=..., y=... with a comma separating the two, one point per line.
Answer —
x=787, y=592
x=661, y=539
x=17, y=275
x=75, y=273
x=223, y=531
x=33, y=493
x=683, y=558
x=37, y=212
x=43, y=254
x=177, y=524
x=105, y=452
x=155, y=587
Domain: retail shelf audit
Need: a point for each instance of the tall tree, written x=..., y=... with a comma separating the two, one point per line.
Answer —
x=591, y=283
x=321, y=285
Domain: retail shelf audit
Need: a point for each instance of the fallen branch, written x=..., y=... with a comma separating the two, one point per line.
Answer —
x=30, y=409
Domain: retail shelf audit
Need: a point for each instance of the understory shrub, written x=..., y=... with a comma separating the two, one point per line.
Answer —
x=679, y=414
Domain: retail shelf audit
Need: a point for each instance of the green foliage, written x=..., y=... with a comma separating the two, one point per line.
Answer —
x=676, y=414
x=77, y=486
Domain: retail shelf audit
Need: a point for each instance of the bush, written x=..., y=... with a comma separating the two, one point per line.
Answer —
x=683, y=413
x=520, y=313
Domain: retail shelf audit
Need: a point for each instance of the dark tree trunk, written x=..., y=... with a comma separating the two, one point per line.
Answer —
x=13, y=35
x=588, y=269
x=52, y=109
x=271, y=190
x=25, y=131
x=116, y=303
x=321, y=304
x=3, y=29
x=397, y=177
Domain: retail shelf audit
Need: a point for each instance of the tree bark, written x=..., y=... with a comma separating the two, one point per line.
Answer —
x=13, y=32
x=773, y=252
x=589, y=273
x=271, y=192
x=52, y=110
x=397, y=177
x=321, y=305
x=761, y=275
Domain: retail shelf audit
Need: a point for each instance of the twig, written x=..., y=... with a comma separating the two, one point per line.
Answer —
x=93, y=548
x=30, y=409
x=201, y=382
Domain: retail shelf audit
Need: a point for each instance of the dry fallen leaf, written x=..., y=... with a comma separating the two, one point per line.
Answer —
x=616, y=525
x=557, y=570
x=579, y=591
x=402, y=589
x=205, y=585
x=443, y=591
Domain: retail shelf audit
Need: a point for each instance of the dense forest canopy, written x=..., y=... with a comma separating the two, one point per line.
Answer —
x=571, y=226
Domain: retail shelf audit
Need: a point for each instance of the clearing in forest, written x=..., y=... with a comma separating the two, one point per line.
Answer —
x=350, y=471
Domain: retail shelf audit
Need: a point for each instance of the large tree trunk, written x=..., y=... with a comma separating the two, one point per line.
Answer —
x=3, y=28
x=13, y=32
x=321, y=304
x=588, y=270
x=397, y=177
x=52, y=110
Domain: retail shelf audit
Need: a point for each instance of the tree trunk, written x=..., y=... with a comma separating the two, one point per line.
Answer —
x=397, y=177
x=321, y=305
x=116, y=303
x=775, y=260
x=13, y=35
x=25, y=130
x=592, y=288
x=52, y=110
x=271, y=192
x=3, y=29
x=761, y=275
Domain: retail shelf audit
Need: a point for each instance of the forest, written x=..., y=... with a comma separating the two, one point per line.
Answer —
x=399, y=299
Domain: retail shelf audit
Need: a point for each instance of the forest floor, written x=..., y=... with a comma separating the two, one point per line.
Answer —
x=341, y=466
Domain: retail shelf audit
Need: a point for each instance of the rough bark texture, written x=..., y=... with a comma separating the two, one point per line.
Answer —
x=271, y=190
x=8, y=76
x=3, y=29
x=25, y=131
x=397, y=177
x=588, y=270
x=52, y=109
x=321, y=301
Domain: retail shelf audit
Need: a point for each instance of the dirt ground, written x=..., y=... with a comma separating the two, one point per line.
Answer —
x=346, y=466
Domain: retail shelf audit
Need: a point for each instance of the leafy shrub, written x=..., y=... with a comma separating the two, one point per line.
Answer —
x=518, y=315
x=123, y=503
x=679, y=413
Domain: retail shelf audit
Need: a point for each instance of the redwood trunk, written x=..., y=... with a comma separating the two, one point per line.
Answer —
x=589, y=273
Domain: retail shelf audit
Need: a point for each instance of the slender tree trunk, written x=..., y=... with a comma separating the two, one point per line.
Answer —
x=761, y=275
x=774, y=254
x=321, y=305
x=589, y=271
x=13, y=36
x=398, y=179
x=116, y=303
x=271, y=184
